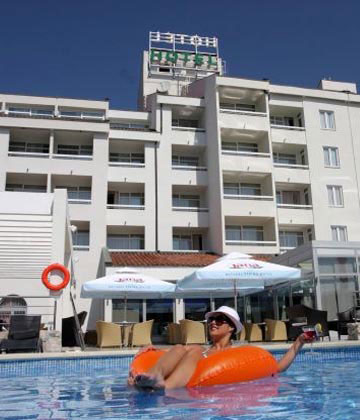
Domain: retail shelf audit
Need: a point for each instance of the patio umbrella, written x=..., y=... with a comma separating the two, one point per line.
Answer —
x=127, y=283
x=236, y=272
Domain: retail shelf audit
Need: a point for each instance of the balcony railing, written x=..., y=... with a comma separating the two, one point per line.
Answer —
x=295, y=206
x=249, y=197
x=287, y=127
x=192, y=209
x=126, y=206
x=290, y=165
x=254, y=243
x=174, y=127
x=189, y=168
x=29, y=154
x=127, y=164
x=32, y=114
x=70, y=157
x=79, y=201
x=81, y=247
x=239, y=111
x=130, y=127
x=243, y=153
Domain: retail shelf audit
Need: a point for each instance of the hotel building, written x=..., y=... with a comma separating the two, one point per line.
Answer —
x=208, y=163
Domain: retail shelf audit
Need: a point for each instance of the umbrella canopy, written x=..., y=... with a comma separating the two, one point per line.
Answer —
x=235, y=271
x=127, y=283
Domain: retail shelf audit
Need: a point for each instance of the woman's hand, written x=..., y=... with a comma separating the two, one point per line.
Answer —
x=304, y=338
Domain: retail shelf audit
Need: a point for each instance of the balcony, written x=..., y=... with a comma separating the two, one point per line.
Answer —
x=127, y=172
x=190, y=216
x=117, y=215
x=243, y=120
x=258, y=163
x=288, y=135
x=189, y=175
x=291, y=173
x=248, y=205
x=295, y=214
x=188, y=136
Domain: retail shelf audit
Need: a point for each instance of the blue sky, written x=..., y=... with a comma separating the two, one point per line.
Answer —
x=92, y=48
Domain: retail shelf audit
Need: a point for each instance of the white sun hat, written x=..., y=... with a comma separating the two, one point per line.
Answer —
x=230, y=313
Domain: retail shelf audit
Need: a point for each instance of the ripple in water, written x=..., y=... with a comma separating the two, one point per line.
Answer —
x=306, y=391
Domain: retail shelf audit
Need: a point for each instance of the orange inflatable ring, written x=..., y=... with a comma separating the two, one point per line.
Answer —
x=233, y=365
x=46, y=281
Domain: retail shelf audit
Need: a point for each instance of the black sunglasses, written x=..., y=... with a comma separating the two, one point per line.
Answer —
x=219, y=319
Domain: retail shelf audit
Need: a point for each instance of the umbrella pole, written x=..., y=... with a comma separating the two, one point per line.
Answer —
x=235, y=296
x=125, y=308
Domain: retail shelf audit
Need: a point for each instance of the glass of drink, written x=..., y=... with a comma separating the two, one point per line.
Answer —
x=310, y=334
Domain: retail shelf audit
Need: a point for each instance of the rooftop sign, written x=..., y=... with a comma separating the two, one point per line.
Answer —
x=179, y=51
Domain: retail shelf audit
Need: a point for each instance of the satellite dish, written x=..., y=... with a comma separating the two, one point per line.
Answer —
x=164, y=87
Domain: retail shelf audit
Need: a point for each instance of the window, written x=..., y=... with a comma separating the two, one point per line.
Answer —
x=134, y=158
x=125, y=198
x=129, y=126
x=240, y=147
x=27, y=147
x=30, y=111
x=74, y=149
x=327, y=120
x=285, y=158
x=70, y=114
x=242, y=189
x=307, y=196
x=237, y=107
x=81, y=239
x=335, y=196
x=78, y=193
x=125, y=241
x=288, y=197
x=185, y=200
x=178, y=122
x=310, y=234
x=331, y=157
x=187, y=242
x=339, y=233
x=244, y=233
x=290, y=239
x=93, y=115
x=287, y=121
x=185, y=160
x=25, y=188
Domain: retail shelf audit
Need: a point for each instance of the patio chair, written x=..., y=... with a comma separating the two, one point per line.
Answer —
x=69, y=335
x=108, y=334
x=275, y=330
x=313, y=317
x=192, y=332
x=344, y=318
x=141, y=334
x=174, y=333
x=24, y=335
x=241, y=336
x=252, y=332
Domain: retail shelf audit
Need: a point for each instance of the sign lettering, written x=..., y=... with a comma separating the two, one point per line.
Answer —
x=174, y=58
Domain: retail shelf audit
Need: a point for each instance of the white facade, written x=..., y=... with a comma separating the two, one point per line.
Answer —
x=215, y=164
x=34, y=233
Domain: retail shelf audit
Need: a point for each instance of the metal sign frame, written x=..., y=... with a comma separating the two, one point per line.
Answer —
x=186, y=52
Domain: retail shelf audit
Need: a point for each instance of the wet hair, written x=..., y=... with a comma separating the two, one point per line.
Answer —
x=232, y=325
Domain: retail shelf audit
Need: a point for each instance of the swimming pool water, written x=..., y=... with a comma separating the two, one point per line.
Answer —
x=311, y=389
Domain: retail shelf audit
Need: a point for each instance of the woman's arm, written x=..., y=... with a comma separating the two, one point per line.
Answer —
x=290, y=355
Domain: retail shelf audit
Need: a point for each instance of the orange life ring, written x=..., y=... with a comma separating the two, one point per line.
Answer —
x=46, y=281
x=239, y=364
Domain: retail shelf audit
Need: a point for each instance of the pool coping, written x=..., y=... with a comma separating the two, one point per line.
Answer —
x=78, y=354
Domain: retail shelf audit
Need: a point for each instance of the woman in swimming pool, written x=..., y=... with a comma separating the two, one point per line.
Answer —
x=177, y=365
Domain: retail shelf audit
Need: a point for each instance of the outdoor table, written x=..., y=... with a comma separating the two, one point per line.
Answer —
x=126, y=327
